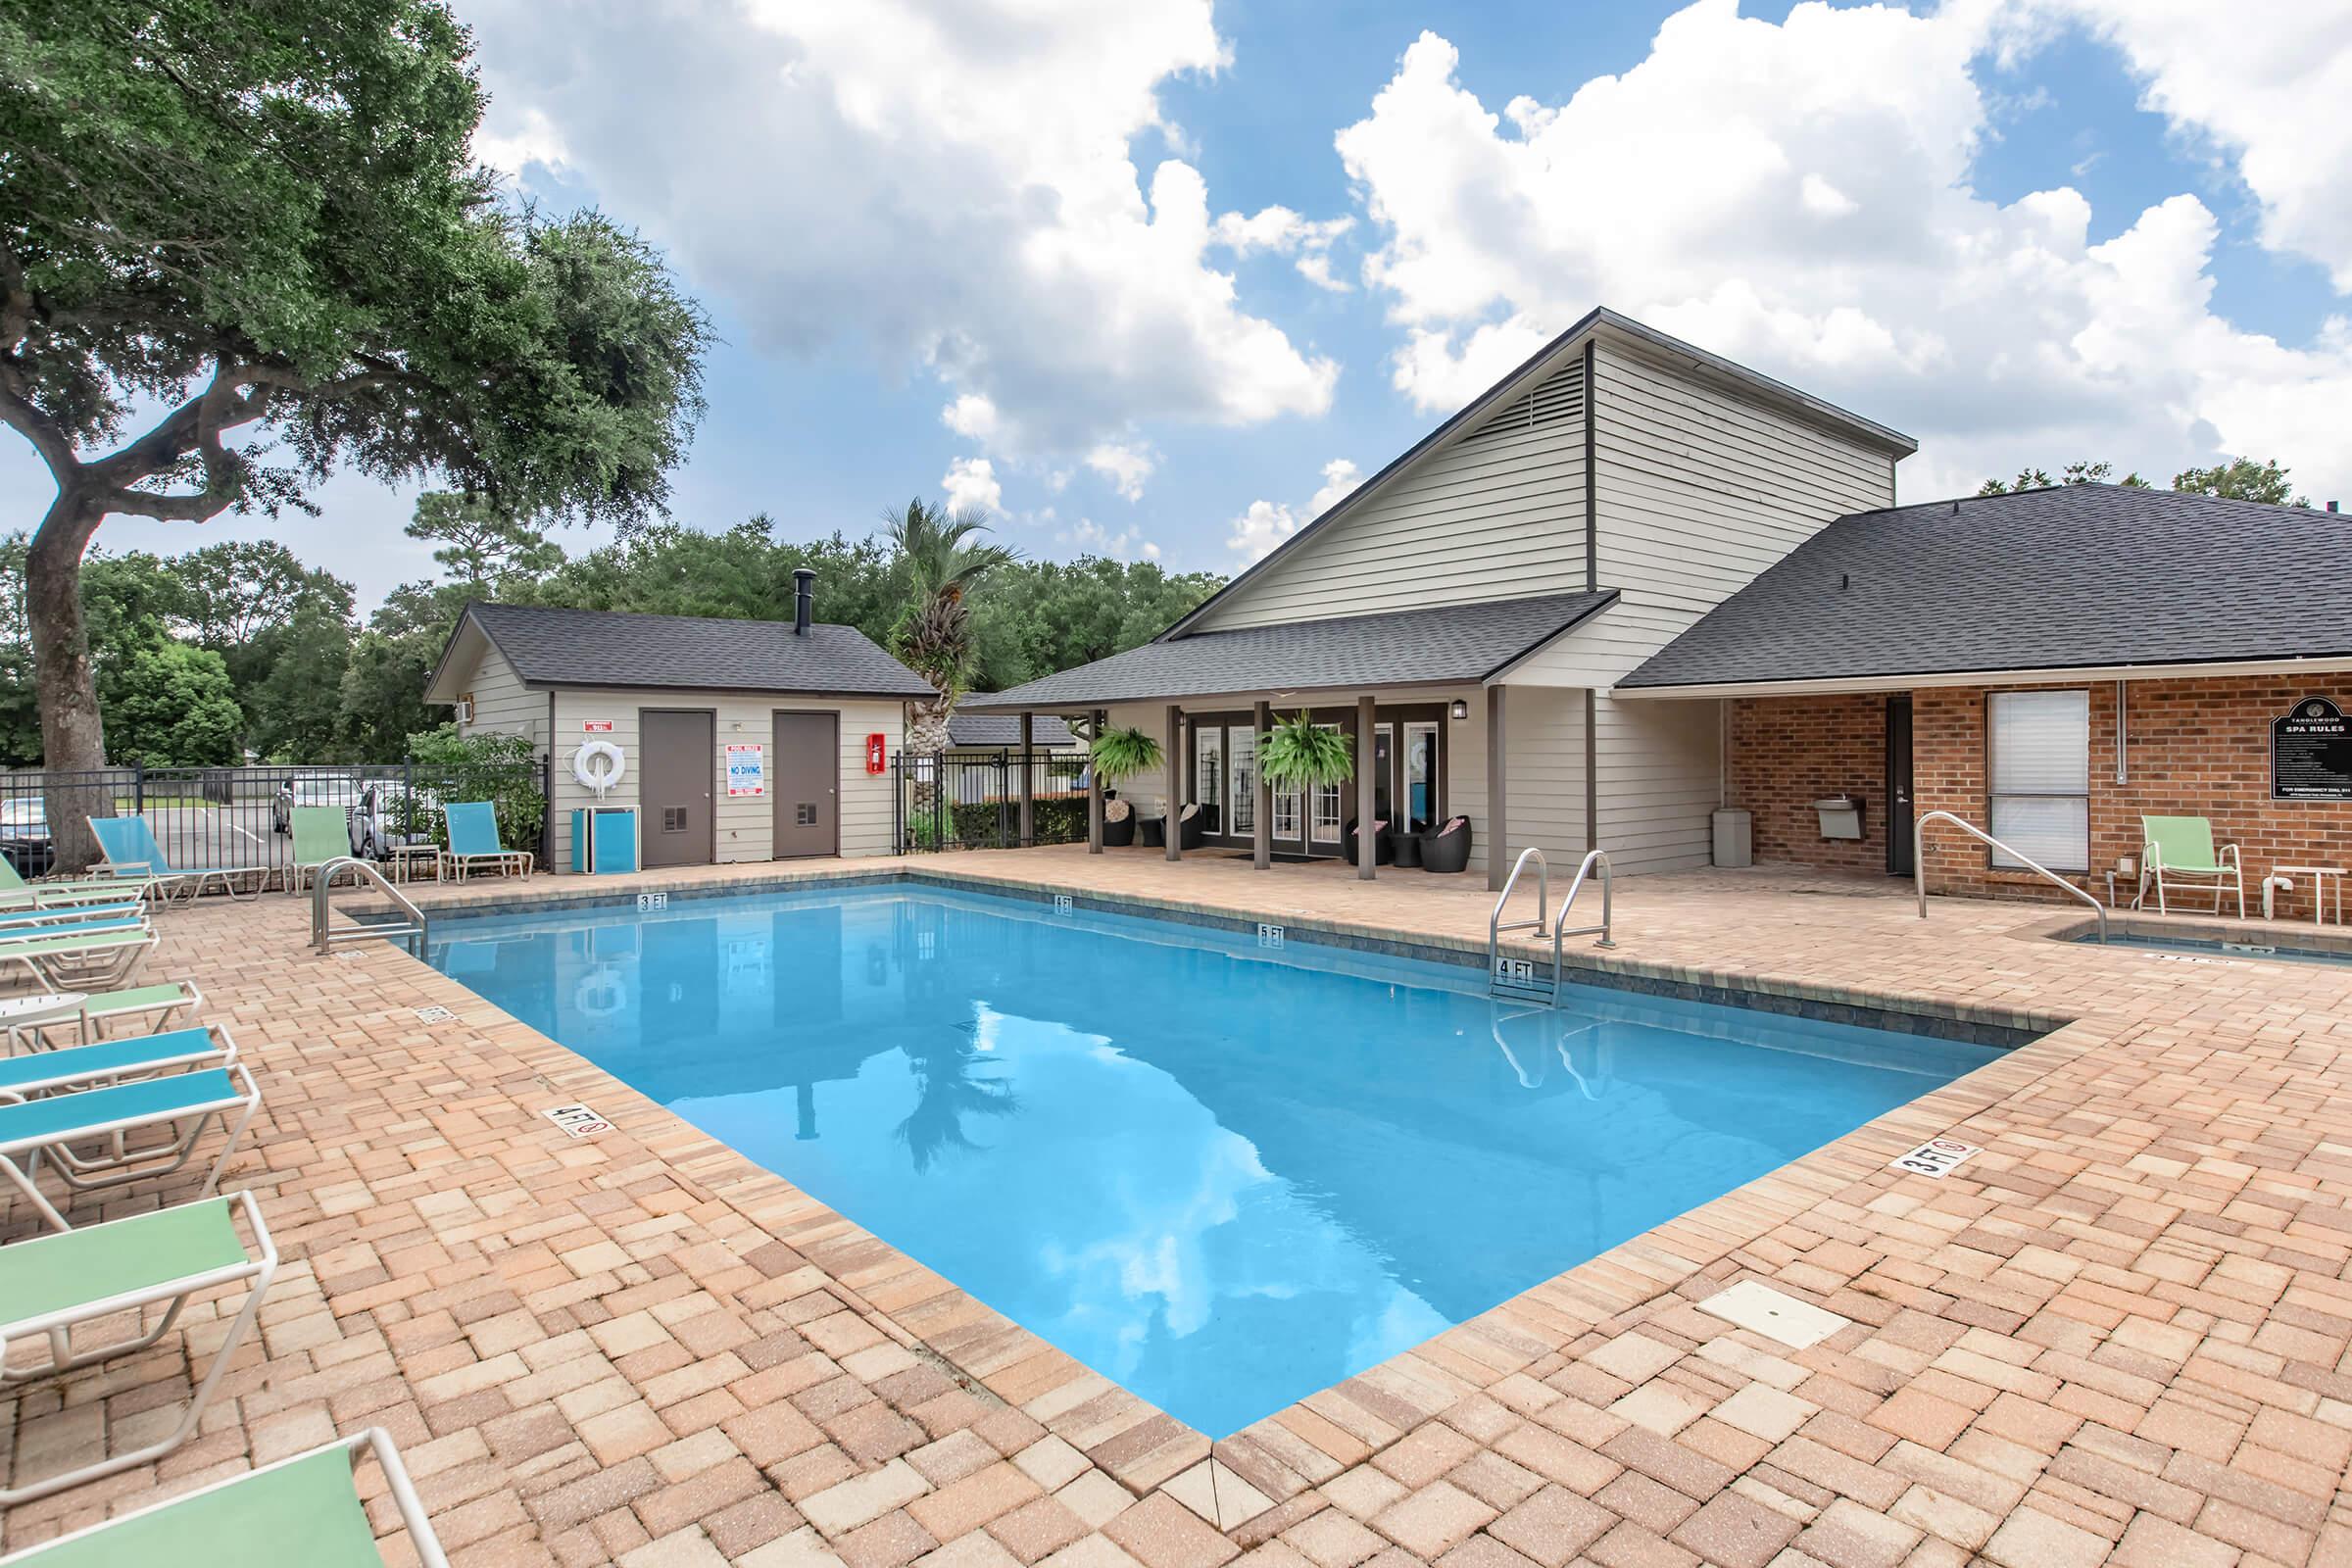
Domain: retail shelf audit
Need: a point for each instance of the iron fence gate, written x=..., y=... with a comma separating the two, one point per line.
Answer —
x=972, y=799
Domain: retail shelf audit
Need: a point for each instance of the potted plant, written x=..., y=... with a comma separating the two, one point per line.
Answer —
x=1119, y=754
x=1299, y=753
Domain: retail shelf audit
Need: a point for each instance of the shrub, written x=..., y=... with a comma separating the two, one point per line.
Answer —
x=503, y=770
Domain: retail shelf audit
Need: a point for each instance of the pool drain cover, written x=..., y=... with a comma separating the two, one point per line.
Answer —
x=1754, y=1305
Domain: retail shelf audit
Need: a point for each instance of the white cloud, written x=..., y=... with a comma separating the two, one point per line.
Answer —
x=1285, y=232
x=522, y=139
x=1125, y=463
x=972, y=482
x=1804, y=206
x=1340, y=479
x=952, y=187
x=1090, y=537
x=1266, y=525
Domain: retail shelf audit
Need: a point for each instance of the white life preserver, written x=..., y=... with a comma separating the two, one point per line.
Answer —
x=600, y=994
x=590, y=752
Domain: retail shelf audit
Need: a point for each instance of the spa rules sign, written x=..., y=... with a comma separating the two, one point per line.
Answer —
x=2311, y=753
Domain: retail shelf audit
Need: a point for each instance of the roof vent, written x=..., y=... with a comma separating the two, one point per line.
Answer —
x=803, y=598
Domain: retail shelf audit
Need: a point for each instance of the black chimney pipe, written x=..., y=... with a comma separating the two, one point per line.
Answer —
x=803, y=598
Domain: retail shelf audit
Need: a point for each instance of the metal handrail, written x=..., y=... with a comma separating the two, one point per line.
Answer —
x=322, y=938
x=1592, y=858
x=1495, y=923
x=1919, y=863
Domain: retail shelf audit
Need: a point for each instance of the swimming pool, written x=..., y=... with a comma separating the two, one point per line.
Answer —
x=2219, y=950
x=1223, y=1174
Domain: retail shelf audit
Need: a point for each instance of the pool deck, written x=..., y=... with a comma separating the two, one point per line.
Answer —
x=2121, y=1333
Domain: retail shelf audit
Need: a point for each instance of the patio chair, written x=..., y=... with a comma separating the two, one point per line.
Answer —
x=83, y=1134
x=130, y=849
x=321, y=833
x=153, y=1004
x=2179, y=850
x=304, y=1510
x=71, y=916
x=474, y=841
x=104, y=1061
x=1384, y=847
x=1447, y=847
x=100, y=959
x=51, y=1284
x=17, y=893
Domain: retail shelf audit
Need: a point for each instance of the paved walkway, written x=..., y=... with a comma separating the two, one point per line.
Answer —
x=2121, y=1333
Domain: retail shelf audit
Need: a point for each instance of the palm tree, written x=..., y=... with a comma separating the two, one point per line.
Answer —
x=937, y=550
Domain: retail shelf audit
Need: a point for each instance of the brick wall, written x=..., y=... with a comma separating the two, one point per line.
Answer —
x=2194, y=747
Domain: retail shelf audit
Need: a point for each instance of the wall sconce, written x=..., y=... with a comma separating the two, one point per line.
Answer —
x=1461, y=708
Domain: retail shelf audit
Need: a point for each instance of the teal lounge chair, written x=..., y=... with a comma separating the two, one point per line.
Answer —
x=305, y=1510
x=2179, y=851
x=103, y=1062
x=474, y=842
x=51, y=1284
x=53, y=916
x=81, y=961
x=83, y=1135
x=128, y=845
x=321, y=833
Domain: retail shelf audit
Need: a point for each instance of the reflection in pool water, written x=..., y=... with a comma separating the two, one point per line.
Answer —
x=1226, y=1177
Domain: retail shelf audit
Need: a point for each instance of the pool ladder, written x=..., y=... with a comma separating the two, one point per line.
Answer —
x=324, y=935
x=1518, y=979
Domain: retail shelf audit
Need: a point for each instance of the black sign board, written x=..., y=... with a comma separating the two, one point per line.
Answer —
x=2311, y=753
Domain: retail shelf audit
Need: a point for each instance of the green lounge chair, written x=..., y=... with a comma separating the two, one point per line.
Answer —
x=17, y=893
x=152, y=1006
x=2179, y=851
x=82, y=961
x=321, y=833
x=51, y=1284
x=130, y=849
x=474, y=841
x=305, y=1510
x=17, y=918
x=82, y=1134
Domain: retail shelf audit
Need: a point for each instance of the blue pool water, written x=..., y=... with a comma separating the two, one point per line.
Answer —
x=2211, y=950
x=1225, y=1176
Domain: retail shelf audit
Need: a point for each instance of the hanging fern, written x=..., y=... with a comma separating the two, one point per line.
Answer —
x=1299, y=753
x=1120, y=753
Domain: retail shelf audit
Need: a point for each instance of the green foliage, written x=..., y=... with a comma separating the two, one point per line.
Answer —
x=1055, y=821
x=479, y=543
x=171, y=706
x=503, y=770
x=2081, y=471
x=2242, y=479
x=942, y=561
x=1124, y=753
x=1299, y=753
x=1041, y=616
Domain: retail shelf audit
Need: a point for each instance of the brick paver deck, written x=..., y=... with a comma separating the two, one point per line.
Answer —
x=2119, y=1334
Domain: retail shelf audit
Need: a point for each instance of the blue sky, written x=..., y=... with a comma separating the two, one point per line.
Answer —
x=984, y=249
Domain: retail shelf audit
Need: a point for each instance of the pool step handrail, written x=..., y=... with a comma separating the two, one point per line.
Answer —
x=1919, y=863
x=323, y=937
x=1561, y=931
x=1496, y=985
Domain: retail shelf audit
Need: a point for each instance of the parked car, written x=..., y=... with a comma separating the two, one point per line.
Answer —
x=25, y=834
x=325, y=790
x=389, y=814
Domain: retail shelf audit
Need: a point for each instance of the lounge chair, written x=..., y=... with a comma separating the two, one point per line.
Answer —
x=130, y=849
x=100, y=959
x=104, y=1061
x=17, y=893
x=2179, y=850
x=474, y=842
x=50, y=1285
x=29, y=1023
x=51, y=917
x=304, y=1510
x=81, y=1134
x=321, y=833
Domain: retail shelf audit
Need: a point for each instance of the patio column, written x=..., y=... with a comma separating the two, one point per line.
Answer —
x=1499, y=856
x=1093, y=789
x=1028, y=834
x=1172, y=803
x=1261, y=831
x=1366, y=795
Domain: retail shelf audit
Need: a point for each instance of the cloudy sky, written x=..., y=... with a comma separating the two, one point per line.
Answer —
x=1161, y=280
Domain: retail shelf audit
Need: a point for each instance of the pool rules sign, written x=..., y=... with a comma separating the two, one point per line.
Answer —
x=2311, y=753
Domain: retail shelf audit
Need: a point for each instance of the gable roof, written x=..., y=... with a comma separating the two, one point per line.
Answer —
x=1599, y=322
x=2070, y=577
x=550, y=646
x=994, y=731
x=1441, y=645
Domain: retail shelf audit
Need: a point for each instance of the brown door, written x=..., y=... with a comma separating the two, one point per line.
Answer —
x=1899, y=808
x=677, y=765
x=804, y=776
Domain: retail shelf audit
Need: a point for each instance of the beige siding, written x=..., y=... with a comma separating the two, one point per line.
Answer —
x=502, y=705
x=1544, y=787
x=745, y=826
x=1497, y=514
x=1659, y=775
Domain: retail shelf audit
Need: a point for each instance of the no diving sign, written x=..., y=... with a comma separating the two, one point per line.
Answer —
x=1937, y=1157
x=577, y=1121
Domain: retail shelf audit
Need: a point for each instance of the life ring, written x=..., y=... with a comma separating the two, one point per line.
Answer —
x=601, y=992
x=591, y=752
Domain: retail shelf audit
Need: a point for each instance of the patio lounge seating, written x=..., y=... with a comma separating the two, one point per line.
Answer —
x=1190, y=829
x=474, y=842
x=1118, y=824
x=2179, y=851
x=1447, y=847
x=81, y=961
x=130, y=849
x=17, y=893
x=1384, y=848
x=304, y=1510
x=50, y=1285
x=37, y=1073
x=81, y=1134
x=321, y=833
x=70, y=916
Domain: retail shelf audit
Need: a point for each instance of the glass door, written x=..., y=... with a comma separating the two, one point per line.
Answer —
x=1420, y=776
x=1240, y=773
x=1209, y=777
x=1383, y=773
x=1327, y=805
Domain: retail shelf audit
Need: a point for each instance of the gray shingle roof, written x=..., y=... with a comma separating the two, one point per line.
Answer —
x=2070, y=577
x=553, y=647
x=1446, y=642
x=989, y=731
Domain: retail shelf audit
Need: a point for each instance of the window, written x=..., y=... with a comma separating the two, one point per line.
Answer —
x=1209, y=777
x=1241, y=771
x=1327, y=805
x=2040, y=762
x=1420, y=775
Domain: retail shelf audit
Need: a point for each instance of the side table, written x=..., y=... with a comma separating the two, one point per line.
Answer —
x=2319, y=875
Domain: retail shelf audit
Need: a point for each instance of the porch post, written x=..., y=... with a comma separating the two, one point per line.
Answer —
x=1173, y=804
x=1367, y=837
x=1028, y=833
x=1093, y=789
x=1498, y=855
x=1261, y=831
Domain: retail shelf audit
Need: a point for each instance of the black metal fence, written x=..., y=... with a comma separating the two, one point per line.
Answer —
x=242, y=816
x=972, y=799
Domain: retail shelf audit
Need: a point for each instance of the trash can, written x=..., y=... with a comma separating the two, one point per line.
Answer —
x=1734, y=837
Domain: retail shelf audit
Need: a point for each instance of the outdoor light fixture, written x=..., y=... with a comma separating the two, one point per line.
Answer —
x=1461, y=708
